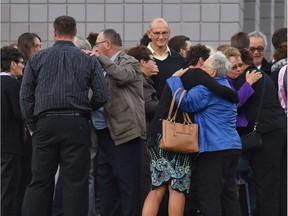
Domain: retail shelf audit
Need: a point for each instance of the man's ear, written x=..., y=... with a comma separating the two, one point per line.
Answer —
x=142, y=62
x=13, y=64
x=109, y=44
x=149, y=33
x=182, y=51
x=214, y=73
x=201, y=61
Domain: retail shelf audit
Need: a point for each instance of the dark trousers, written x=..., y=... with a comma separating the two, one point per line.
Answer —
x=25, y=161
x=213, y=186
x=119, y=176
x=145, y=175
x=57, y=207
x=10, y=179
x=269, y=174
x=65, y=140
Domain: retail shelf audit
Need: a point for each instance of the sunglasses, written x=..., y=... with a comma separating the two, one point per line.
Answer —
x=234, y=67
x=259, y=49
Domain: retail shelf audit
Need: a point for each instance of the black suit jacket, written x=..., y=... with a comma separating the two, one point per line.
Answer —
x=272, y=115
x=266, y=67
x=12, y=126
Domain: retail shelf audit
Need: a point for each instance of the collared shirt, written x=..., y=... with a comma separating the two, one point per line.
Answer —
x=98, y=118
x=7, y=74
x=157, y=55
x=57, y=79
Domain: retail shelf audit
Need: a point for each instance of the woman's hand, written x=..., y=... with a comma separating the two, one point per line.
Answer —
x=253, y=77
x=180, y=72
x=93, y=52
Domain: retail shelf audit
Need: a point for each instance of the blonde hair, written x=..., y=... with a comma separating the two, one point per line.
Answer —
x=231, y=51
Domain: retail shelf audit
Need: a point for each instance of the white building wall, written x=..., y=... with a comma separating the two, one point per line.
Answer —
x=211, y=22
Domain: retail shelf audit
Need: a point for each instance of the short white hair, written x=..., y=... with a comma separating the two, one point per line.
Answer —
x=259, y=34
x=219, y=63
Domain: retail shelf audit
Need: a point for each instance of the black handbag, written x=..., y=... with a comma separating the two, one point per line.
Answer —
x=253, y=140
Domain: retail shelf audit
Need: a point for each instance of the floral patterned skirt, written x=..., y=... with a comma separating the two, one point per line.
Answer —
x=169, y=166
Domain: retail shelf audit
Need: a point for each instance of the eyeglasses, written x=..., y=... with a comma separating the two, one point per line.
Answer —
x=20, y=61
x=234, y=67
x=157, y=34
x=259, y=49
x=97, y=43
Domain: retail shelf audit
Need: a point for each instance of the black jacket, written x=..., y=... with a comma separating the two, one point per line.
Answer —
x=272, y=115
x=266, y=67
x=12, y=126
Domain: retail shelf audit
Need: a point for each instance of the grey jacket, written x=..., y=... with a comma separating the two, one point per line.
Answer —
x=124, y=111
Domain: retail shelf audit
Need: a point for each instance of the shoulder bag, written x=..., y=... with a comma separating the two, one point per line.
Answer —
x=253, y=140
x=179, y=137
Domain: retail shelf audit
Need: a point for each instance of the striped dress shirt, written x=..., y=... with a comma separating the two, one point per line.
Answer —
x=57, y=79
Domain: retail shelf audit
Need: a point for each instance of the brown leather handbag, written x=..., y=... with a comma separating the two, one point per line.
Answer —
x=179, y=137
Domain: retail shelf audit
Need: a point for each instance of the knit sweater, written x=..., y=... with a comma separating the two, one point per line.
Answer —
x=167, y=68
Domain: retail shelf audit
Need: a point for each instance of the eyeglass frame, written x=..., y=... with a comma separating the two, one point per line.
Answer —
x=20, y=61
x=234, y=67
x=158, y=34
x=97, y=43
x=259, y=49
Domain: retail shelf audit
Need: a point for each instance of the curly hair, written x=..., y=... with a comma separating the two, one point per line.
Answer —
x=9, y=54
x=195, y=52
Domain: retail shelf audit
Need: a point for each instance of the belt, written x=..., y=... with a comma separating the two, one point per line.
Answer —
x=77, y=114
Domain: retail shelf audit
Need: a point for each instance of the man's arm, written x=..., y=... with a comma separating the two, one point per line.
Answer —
x=27, y=96
x=194, y=100
x=127, y=71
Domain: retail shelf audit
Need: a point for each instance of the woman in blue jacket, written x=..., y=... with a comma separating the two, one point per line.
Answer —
x=220, y=147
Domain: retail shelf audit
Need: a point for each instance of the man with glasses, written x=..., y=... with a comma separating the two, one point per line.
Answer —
x=168, y=60
x=12, y=130
x=258, y=44
x=120, y=128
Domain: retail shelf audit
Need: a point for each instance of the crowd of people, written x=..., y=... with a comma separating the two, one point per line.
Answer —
x=93, y=111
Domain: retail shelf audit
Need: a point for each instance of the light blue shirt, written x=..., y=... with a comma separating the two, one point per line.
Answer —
x=98, y=118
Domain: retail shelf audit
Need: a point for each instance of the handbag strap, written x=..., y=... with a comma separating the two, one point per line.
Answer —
x=187, y=119
x=260, y=105
x=178, y=105
x=172, y=103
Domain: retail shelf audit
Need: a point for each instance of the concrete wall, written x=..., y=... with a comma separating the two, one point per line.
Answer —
x=211, y=22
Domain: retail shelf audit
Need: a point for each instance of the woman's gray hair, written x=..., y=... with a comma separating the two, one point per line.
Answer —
x=82, y=43
x=220, y=64
x=259, y=34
